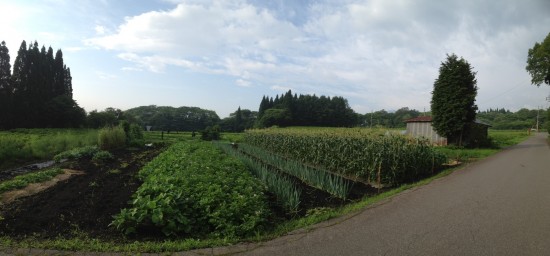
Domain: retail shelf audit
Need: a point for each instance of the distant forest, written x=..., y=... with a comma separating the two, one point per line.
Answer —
x=39, y=92
x=305, y=110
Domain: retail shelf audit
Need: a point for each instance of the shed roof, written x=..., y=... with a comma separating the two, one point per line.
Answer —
x=419, y=119
x=427, y=119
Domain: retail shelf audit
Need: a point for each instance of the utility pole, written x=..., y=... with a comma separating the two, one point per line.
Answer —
x=538, y=110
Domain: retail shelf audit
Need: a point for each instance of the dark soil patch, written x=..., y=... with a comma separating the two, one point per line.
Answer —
x=83, y=204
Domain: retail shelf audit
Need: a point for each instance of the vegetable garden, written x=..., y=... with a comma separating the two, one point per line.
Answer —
x=217, y=190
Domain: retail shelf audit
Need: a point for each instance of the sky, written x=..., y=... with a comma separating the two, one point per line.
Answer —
x=221, y=55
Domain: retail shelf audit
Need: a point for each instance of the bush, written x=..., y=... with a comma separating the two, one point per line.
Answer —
x=133, y=132
x=211, y=133
x=112, y=138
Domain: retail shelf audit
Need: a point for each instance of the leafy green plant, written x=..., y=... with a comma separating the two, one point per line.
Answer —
x=194, y=189
x=286, y=191
x=22, y=181
x=102, y=156
x=76, y=153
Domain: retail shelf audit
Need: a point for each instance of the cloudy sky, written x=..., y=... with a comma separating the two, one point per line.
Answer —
x=219, y=55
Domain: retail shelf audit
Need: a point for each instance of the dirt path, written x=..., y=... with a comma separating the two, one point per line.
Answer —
x=498, y=206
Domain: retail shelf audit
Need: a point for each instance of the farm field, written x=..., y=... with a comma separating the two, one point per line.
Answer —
x=172, y=197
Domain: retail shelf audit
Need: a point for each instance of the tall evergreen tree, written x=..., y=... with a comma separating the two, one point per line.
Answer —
x=239, y=120
x=453, y=99
x=6, y=90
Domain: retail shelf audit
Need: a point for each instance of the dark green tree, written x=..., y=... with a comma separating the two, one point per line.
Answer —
x=239, y=127
x=538, y=62
x=6, y=90
x=453, y=99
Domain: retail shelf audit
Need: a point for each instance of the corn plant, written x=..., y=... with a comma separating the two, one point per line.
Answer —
x=354, y=153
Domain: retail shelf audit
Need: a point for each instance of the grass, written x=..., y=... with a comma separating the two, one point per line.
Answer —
x=22, y=146
x=502, y=139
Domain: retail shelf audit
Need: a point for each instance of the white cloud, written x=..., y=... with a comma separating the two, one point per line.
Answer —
x=384, y=52
x=100, y=30
x=280, y=88
x=243, y=83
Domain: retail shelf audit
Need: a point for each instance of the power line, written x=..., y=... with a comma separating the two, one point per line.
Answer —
x=507, y=91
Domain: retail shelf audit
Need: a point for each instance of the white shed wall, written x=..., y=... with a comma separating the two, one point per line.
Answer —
x=425, y=129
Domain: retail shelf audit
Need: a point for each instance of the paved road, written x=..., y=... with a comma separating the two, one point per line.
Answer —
x=497, y=206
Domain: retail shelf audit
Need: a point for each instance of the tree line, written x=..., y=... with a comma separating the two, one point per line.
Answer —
x=38, y=93
x=305, y=110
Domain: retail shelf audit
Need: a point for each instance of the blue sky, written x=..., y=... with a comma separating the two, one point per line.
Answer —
x=220, y=55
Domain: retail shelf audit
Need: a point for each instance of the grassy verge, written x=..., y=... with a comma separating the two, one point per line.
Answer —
x=22, y=181
x=500, y=139
x=503, y=139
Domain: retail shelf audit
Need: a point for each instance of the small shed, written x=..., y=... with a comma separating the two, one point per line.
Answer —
x=422, y=127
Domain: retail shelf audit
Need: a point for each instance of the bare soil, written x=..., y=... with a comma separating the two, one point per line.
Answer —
x=83, y=204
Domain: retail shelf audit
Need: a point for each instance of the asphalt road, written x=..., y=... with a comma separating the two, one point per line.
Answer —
x=497, y=206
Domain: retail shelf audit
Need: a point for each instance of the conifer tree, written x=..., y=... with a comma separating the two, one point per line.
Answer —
x=5, y=87
x=453, y=99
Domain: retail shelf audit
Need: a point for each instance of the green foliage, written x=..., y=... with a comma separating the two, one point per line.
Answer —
x=274, y=116
x=112, y=138
x=193, y=189
x=286, y=191
x=305, y=110
x=106, y=118
x=22, y=181
x=25, y=145
x=173, y=119
x=453, y=99
x=76, y=153
x=134, y=133
x=39, y=91
x=239, y=120
x=211, y=133
x=523, y=119
x=354, y=153
x=388, y=119
x=538, y=62
x=102, y=156
x=315, y=177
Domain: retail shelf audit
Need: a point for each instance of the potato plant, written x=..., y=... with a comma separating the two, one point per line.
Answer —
x=193, y=189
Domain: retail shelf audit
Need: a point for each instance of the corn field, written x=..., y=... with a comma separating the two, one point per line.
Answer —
x=360, y=154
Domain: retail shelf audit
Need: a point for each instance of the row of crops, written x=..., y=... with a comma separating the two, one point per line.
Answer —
x=194, y=189
x=358, y=154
